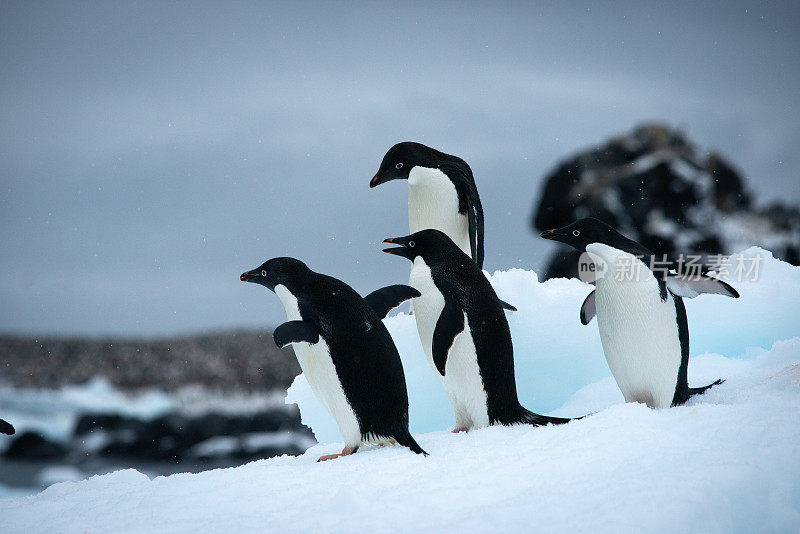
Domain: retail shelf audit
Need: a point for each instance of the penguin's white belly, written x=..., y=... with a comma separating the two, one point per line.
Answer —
x=317, y=365
x=462, y=380
x=433, y=203
x=640, y=339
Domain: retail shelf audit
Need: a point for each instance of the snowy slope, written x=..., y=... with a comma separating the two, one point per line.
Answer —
x=729, y=461
x=555, y=355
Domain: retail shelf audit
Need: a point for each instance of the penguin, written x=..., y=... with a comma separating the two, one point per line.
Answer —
x=464, y=333
x=441, y=195
x=344, y=350
x=6, y=428
x=640, y=313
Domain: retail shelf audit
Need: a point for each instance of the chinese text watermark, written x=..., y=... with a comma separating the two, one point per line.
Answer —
x=628, y=267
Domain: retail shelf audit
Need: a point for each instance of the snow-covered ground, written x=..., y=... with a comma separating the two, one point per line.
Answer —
x=555, y=355
x=729, y=461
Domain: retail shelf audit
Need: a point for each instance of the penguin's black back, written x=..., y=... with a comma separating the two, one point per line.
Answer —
x=491, y=335
x=363, y=352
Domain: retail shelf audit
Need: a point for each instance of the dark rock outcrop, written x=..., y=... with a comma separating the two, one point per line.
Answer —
x=657, y=188
x=34, y=446
x=171, y=437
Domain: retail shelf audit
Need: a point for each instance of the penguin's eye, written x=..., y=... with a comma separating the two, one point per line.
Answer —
x=576, y=233
x=399, y=165
x=264, y=273
x=411, y=244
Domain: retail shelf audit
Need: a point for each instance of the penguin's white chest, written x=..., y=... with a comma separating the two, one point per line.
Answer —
x=462, y=380
x=433, y=203
x=317, y=365
x=638, y=331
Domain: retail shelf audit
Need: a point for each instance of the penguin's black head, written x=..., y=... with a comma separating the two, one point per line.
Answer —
x=403, y=157
x=430, y=244
x=277, y=271
x=583, y=232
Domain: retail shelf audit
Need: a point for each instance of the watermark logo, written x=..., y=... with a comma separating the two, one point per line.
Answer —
x=628, y=268
x=591, y=267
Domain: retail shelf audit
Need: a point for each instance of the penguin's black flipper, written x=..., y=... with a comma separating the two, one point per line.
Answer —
x=588, y=309
x=295, y=332
x=384, y=299
x=449, y=325
x=404, y=438
x=6, y=428
x=507, y=306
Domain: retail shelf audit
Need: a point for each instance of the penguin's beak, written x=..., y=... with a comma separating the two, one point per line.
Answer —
x=397, y=251
x=549, y=234
x=376, y=180
x=248, y=276
x=561, y=235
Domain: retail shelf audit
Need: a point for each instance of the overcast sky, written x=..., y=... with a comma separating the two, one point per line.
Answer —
x=151, y=152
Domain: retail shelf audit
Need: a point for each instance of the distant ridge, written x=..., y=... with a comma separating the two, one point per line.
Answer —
x=242, y=360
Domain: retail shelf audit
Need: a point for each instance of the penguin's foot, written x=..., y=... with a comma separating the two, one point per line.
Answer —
x=327, y=457
x=347, y=451
x=459, y=430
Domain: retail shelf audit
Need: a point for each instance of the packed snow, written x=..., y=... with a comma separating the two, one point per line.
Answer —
x=726, y=462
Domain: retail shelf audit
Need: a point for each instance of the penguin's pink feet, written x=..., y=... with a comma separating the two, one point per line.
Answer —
x=459, y=430
x=347, y=451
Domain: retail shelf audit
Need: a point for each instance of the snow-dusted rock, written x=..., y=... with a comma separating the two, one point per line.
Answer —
x=658, y=188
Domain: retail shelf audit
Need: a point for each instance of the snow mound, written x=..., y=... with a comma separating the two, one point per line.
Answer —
x=725, y=462
x=555, y=356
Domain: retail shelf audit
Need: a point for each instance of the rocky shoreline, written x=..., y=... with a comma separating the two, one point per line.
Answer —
x=88, y=406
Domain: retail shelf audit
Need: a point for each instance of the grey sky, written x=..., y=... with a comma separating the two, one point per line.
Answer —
x=151, y=152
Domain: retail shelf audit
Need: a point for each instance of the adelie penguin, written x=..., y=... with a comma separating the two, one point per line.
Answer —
x=344, y=350
x=640, y=313
x=441, y=195
x=464, y=332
